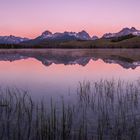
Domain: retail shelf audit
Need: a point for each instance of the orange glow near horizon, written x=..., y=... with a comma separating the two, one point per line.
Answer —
x=33, y=33
x=29, y=18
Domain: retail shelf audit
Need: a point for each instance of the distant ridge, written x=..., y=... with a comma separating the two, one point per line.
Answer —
x=83, y=35
x=12, y=39
x=123, y=32
x=48, y=36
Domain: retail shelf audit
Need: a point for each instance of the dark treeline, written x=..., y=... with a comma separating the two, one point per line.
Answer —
x=118, y=39
x=128, y=41
x=19, y=46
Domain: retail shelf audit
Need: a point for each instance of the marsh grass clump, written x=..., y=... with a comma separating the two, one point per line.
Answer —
x=23, y=119
x=115, y=108
x=105, y=110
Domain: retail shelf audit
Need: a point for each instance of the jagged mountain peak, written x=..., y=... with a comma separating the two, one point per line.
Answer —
x=126, y=28
x=83, y=35
x=123, y=32
x=11, y=39
x=83, y=32
x=47, y=32
x=94, y=37
x=134, y=29
x=129, y=29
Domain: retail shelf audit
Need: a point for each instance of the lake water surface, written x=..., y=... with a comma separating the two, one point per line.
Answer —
x=53, y=72
x=85, y=94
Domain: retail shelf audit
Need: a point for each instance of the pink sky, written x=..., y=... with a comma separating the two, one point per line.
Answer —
x=29, y=18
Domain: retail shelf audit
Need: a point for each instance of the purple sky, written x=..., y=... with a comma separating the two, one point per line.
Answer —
x=30, y=18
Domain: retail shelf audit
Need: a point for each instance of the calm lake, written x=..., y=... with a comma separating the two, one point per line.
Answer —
x=52, y=72
x=86, y=94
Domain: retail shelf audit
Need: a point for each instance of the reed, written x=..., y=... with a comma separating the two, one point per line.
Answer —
x=105, y=110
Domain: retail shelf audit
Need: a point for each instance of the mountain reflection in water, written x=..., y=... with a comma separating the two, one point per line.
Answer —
x=126, y=58
x=58, y=71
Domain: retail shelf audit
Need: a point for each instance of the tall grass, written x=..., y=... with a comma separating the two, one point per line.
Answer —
x=115, y=108
x=105, y=110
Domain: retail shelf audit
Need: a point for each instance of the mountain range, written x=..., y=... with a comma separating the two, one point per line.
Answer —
x=123, y=32
x=83, y=35
x=66, y=36
x=12, y=39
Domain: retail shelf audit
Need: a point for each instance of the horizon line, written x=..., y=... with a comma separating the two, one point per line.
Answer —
x=64, y=32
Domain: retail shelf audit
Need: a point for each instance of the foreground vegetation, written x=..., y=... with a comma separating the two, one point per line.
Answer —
x=103, y=110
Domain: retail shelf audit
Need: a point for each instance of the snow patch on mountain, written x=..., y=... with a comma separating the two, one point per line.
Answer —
x=11, y=39
x=83, y=35
x=123, y=32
